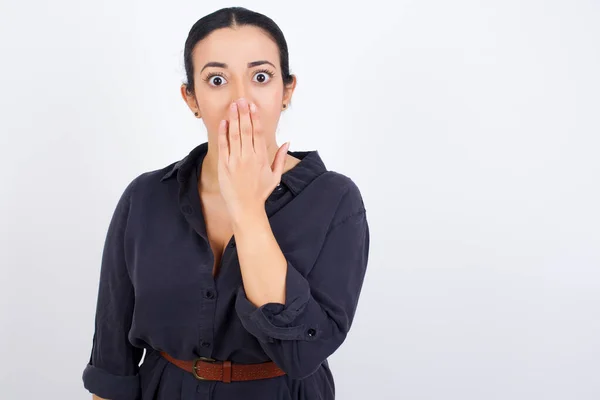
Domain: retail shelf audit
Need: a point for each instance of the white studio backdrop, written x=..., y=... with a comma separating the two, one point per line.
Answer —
x=471, y=128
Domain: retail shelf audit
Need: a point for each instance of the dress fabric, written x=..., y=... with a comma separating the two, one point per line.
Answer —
x=157, y=291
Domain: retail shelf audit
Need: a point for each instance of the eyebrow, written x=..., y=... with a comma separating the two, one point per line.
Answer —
x=223, y=65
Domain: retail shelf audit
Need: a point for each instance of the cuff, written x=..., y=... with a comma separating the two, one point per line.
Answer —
x=109, y=386
x=275, y=320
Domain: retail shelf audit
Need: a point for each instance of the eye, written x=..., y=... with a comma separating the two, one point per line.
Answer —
x=219, y=79
x=263, y=76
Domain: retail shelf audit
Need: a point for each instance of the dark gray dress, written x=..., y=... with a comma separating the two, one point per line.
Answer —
x=157, y=291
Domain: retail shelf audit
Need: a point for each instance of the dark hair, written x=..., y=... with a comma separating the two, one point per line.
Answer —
x=230, y=18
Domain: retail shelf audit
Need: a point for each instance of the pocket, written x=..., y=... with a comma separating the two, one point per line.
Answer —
x=320, y=384
x=150, y=373
x=286, y=390
x=268, y=389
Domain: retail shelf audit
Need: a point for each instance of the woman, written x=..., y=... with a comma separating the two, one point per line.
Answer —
x=239, y=267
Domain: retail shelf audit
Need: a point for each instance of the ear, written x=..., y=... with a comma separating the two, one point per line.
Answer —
x=190, y=101
x=288, y=91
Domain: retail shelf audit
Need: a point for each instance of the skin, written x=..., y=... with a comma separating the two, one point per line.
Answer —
x=244, y=163
x=236, y=47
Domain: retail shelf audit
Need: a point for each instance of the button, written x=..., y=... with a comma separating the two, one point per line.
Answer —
x=187, y=209
x=311, y=332
x=205, y=344
x=278, y=189
x=210, y=294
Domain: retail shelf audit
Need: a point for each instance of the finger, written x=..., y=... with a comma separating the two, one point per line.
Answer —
x=279, y=162
x=260, y=146
x=234, y=133
x=245, y=128
x=222, y=140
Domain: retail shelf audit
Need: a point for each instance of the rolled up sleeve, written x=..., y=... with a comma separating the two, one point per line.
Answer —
x=273, y=320
x=319, y=308
x=112, y=370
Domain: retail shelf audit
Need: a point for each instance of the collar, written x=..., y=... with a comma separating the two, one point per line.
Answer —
x=310, y=167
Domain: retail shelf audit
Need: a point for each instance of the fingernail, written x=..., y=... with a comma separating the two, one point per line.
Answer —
x=253, y=107
x=233, y=106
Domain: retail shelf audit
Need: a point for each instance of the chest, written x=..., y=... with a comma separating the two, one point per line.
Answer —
x=218, y=225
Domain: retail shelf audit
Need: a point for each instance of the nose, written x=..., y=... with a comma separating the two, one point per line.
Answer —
x=240, y=90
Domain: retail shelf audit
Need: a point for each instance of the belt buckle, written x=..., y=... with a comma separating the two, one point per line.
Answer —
x=195, y=368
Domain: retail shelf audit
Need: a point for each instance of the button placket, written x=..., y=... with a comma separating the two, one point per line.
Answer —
x=210, y=294
x=278, y=189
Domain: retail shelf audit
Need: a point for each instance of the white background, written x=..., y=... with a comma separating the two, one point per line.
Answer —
x=471, y=127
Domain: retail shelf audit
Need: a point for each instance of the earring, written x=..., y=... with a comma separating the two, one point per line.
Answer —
x=196, y=114
x=284, y=106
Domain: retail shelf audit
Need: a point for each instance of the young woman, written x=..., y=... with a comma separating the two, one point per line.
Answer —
x=239, y=267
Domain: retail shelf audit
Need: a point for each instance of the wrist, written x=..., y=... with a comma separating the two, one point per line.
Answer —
x=249, y=218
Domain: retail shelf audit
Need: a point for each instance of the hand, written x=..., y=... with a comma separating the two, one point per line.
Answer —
x=246, y=175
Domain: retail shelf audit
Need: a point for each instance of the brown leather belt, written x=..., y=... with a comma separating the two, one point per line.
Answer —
x=204, y=368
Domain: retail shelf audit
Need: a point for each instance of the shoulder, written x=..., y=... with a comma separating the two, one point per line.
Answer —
x=147, y=182
x=344, y=191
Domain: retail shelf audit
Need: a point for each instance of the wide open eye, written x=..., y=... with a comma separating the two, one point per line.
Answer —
x=215, y=79
x=263, y=76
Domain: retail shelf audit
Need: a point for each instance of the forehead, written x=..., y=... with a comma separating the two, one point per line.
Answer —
x=236, y=47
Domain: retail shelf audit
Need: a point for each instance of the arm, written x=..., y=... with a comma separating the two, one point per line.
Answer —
x=316, y=311
x=113, y=365
x=263, y=266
